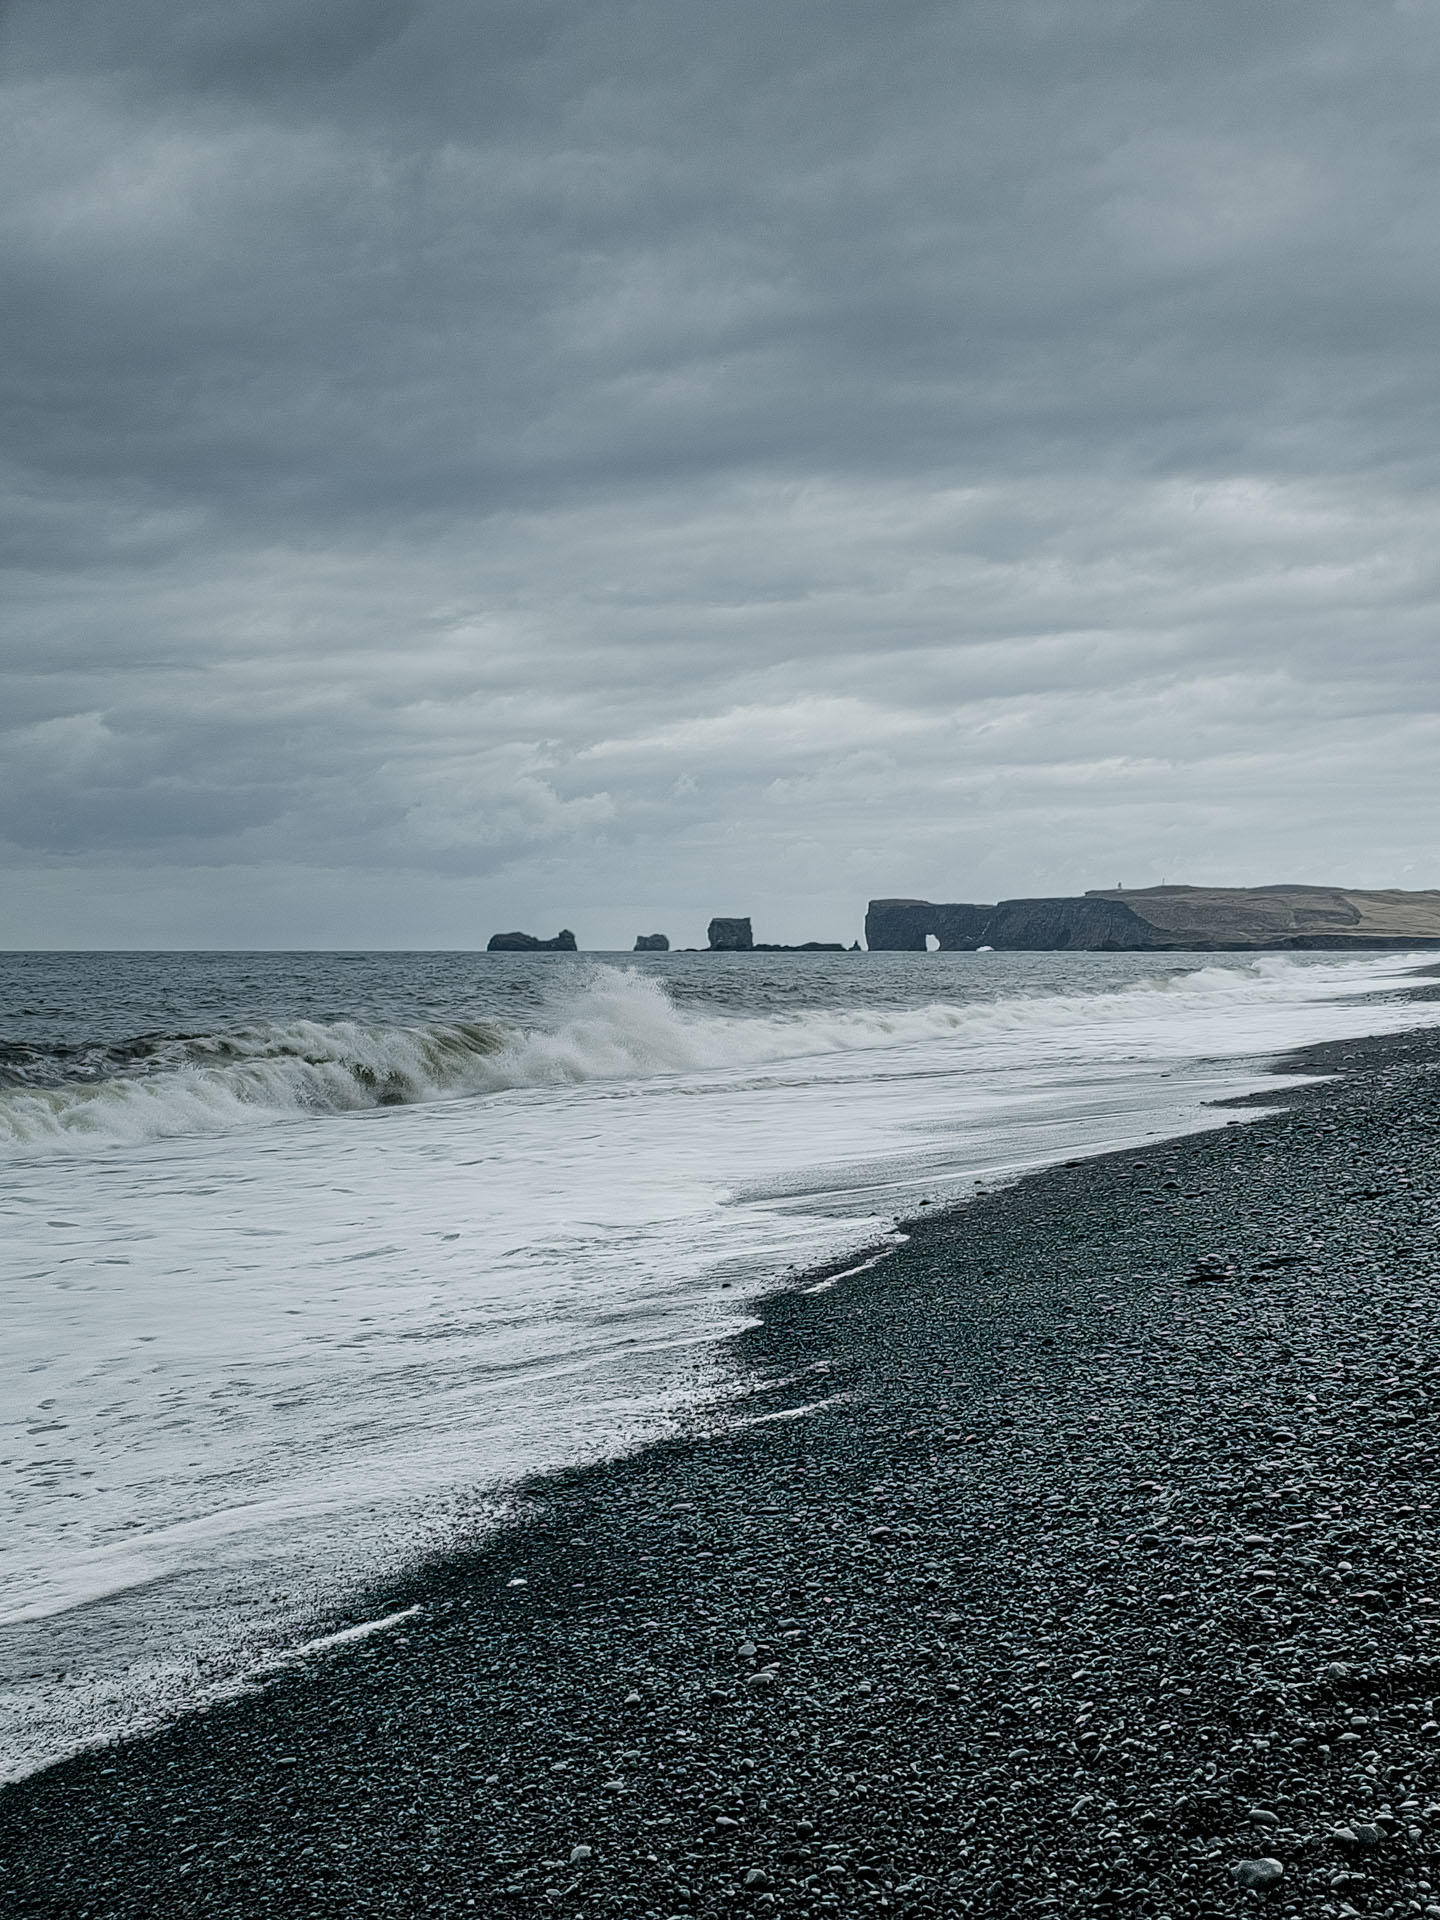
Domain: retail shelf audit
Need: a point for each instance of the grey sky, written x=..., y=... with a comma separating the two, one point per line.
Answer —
x=469, y=466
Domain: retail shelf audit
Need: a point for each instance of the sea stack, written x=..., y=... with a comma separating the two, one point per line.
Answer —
x=564, y=942
x=730, y=936
x=652, y=943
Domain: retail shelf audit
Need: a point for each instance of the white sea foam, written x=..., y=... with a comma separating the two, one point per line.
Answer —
x=250, y=1368
x=614, y=1024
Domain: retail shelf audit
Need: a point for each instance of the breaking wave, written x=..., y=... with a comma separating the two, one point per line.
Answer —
x=615, y=1024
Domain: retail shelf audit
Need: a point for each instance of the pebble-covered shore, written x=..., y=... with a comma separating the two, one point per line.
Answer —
x=1103, y=1577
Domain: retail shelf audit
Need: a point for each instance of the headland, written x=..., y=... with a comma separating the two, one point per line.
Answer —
x=1161, y=919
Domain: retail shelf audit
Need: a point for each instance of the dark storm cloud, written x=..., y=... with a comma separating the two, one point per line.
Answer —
x=842, y=448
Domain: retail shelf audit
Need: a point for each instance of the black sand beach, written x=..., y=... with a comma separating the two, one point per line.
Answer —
x=1108, y=1568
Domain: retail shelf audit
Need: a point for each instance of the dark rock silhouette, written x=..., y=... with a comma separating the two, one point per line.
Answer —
x=734, y=936
x=564, y=942
x=900, y=926
x=652, y=943
x=1161, y=919
x=730, y=936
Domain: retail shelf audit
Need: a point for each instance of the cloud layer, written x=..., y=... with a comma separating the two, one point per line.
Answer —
x=471, y=464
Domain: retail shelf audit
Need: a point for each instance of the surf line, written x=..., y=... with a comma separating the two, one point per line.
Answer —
x=823, y=1286
x=345, y=1634
x=797, y=1413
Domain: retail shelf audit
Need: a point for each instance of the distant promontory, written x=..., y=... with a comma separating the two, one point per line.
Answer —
x=1156, y=919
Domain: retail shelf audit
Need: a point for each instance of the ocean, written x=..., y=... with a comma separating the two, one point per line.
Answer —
x=309, y=1260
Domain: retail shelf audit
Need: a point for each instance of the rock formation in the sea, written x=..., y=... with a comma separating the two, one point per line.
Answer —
x=902, y=926
x=730, y=936
x=652, y=943
x=1159, y=919
x=564, y=942
x=735, y=936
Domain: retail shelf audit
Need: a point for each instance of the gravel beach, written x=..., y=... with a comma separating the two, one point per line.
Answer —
x=1084, y=1561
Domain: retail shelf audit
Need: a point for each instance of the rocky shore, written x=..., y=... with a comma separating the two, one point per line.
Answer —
x=1078, y=1558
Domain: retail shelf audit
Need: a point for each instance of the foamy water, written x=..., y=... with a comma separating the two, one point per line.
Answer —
x=291, y=1302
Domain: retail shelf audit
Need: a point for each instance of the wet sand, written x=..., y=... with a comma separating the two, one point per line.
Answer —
x=1085, y=1554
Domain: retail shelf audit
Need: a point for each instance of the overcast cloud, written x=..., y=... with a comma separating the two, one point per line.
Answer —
x=471, y=465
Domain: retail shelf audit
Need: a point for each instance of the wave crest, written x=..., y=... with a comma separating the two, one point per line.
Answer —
x=616, y=1024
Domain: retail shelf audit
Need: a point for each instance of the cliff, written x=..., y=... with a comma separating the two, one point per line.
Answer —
x=1159, y=919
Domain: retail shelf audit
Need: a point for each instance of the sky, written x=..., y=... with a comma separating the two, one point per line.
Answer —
x=470, y=465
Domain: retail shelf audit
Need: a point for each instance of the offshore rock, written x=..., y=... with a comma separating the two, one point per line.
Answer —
x=652, y=943
x=730, y=936
x=1164, y=919
x=564, y=942
x=735, y=936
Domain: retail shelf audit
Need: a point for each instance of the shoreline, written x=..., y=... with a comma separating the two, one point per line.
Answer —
x=1042, y=1489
